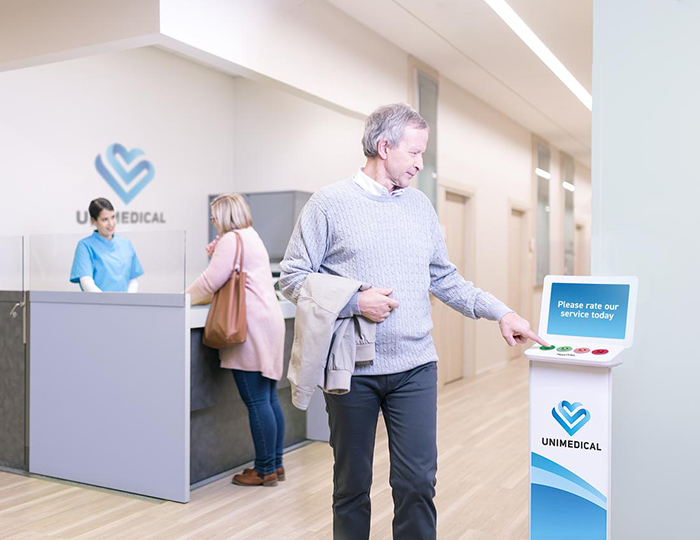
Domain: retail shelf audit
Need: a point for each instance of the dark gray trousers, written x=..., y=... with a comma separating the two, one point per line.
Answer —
x=408, y=402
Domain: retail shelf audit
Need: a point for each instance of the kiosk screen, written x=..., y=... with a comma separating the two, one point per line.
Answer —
x=593, y=310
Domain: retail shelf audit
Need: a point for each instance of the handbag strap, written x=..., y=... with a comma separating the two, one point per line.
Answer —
x=238, y=259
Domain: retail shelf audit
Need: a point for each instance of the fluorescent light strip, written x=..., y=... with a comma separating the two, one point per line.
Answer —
x=569, y=187
x=542, y=173
x=511, y=18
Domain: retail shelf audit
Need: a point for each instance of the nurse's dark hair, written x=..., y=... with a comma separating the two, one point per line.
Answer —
x=97, y=205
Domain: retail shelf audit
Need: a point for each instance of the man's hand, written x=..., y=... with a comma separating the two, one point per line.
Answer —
x=515, y=329
x=376, y=305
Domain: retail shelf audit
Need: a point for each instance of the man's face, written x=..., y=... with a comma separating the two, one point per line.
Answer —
x=404, y=160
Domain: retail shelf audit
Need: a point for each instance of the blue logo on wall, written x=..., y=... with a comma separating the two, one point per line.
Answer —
x=571, y=416
x=121, y=178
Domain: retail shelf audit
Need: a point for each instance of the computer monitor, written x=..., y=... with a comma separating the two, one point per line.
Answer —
x=589, y=309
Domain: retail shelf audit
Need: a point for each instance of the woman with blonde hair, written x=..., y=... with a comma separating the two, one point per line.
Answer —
x=257, y=363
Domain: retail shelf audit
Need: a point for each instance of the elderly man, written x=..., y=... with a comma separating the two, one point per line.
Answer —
x=376, y=229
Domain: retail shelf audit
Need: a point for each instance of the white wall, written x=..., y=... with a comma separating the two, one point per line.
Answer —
x=311, y=46
x=483, y=150
x=34, y=32
x=283, y=142
x=57, y=118
x=645, y=199
x=486, y=152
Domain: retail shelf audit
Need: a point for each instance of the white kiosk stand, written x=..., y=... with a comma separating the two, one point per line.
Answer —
x=588, y=322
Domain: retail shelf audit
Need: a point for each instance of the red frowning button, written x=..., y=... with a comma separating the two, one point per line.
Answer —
x=601, y=351
x=582, y=350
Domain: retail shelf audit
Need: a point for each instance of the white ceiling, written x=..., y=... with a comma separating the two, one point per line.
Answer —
x=465, y=41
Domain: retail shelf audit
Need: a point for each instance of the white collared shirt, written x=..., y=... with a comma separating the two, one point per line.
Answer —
x=375, y=188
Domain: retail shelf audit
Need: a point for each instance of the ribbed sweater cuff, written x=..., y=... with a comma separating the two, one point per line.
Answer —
x=489, y=307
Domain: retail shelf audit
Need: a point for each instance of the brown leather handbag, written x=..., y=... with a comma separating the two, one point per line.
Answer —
x=227, y=322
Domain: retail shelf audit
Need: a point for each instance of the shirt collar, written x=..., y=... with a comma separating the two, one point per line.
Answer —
x=375, y=188
x=102, y=239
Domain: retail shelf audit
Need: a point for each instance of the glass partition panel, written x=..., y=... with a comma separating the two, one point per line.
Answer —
x=427, y=107
x=11, y=263
x=543, y=211
x=567, y=175
x=57, y=262
x=162, y=255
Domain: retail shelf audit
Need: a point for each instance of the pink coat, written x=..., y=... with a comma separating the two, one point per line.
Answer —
x=263, y=348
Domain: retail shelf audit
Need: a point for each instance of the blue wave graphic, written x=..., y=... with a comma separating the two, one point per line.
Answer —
x=558, y=515
x=546, y=478
x=563, y=505
x=541, y=462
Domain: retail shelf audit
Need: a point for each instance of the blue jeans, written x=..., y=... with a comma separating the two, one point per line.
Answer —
x=266, y=419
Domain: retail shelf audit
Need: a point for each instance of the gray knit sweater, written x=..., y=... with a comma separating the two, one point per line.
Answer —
x=388, y=242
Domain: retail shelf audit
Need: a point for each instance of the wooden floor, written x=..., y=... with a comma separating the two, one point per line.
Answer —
x=482, y=485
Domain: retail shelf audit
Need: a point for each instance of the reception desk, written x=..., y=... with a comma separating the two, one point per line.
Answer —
x=123, y=395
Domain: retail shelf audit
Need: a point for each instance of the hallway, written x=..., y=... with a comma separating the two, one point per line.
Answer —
x=482, y=485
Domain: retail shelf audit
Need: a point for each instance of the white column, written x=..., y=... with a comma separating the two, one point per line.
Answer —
x=646, y=197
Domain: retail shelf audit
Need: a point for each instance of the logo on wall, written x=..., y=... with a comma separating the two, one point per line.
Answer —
x=126, y=175
x=571, y=416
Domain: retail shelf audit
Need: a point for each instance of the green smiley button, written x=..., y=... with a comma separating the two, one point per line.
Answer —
x=543, y=348
x=564, y=349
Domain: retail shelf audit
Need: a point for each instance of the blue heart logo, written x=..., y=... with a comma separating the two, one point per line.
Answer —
x=571, y=416
x=126, y=174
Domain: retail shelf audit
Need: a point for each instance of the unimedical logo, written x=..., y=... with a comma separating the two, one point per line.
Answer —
x=126, y=174
x=571, y=416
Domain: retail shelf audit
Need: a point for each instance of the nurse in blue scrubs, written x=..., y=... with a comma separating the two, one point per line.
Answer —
x=105, y=261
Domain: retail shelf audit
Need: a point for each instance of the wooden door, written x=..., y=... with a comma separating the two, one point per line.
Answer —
x=518, y=264
x=453, y=333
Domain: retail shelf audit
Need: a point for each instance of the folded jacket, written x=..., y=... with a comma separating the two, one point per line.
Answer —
x=325, y=346
x=352, y=344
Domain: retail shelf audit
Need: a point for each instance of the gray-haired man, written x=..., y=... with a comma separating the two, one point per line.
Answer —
x=376, y=229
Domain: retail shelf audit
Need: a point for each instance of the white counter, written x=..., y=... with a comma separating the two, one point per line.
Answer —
x=109, y=404
x=198, y=314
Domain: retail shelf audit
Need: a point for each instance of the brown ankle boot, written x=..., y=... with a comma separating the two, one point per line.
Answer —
x=280, y=473
x=251, y=477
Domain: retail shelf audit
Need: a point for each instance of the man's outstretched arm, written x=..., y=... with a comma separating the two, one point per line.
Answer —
x=461, y=295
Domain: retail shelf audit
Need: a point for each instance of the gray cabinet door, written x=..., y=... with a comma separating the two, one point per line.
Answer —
x=12, y=383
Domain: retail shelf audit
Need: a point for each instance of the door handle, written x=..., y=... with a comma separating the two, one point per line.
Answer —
x=18, y=305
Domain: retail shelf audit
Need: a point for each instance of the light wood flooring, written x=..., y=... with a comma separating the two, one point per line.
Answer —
x=481, y=491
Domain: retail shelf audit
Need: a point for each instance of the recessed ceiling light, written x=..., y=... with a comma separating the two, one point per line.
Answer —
x=568, y=186
x=511, y=18
x=542, y=173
